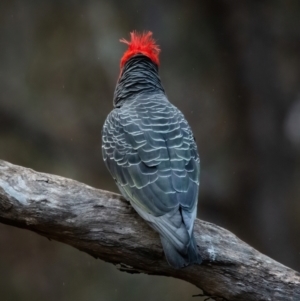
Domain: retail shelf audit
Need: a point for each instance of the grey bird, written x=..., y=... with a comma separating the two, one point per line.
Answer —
x=151, y=153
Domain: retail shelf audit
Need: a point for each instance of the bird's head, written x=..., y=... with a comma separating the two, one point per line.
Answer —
x=140, y=43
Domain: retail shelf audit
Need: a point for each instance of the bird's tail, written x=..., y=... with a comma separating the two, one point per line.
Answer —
x=178, y=242
x=182, y=259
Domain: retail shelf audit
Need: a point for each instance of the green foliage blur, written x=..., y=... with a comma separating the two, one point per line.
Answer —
x=232, y=67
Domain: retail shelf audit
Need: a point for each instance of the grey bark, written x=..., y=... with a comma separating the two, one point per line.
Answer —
x=104, y=225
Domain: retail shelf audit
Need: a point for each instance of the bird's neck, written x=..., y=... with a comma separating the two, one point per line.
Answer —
x=139, y=75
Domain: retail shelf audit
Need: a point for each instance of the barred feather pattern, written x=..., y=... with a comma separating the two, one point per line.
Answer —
x=151, y=153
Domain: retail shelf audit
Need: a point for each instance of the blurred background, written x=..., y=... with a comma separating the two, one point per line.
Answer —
x=232, y=67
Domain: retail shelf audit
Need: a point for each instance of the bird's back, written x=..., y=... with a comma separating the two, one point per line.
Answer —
x=150, y=151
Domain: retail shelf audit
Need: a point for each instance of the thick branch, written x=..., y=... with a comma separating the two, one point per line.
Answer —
x=104, y=225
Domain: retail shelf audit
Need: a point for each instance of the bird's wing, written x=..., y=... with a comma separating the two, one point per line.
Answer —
x=150, y=151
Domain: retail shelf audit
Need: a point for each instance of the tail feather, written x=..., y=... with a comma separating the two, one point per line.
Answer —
x=178, y=242
x=179, y=259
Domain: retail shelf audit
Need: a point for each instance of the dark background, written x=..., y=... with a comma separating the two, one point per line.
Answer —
x=232, y=67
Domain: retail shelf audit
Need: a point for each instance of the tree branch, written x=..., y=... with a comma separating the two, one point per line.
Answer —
x=105, y=226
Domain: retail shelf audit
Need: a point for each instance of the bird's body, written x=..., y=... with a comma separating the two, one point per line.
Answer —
x=151, y=153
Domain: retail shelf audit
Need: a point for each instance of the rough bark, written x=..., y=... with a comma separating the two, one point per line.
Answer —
x=104, y=225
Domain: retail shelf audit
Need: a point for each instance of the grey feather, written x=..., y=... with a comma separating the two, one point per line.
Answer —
x=150, y=151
